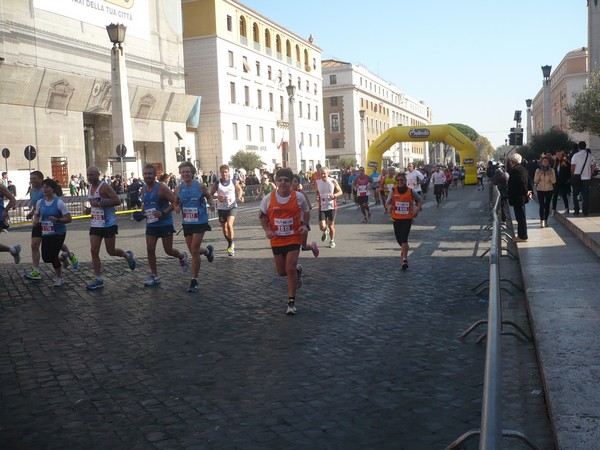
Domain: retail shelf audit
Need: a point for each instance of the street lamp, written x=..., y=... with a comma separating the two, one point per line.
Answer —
x=363, y=151
x=547, y=117
x=292, y=157
x=122, y=133
x=528, y=102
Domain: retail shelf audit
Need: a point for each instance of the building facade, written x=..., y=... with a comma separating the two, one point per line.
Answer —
x=359, y=106
x=242, y=64
x=55, y=88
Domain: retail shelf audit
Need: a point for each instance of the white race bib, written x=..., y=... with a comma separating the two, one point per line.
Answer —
x=284, y=227
x=98, y=217
x=190, y=214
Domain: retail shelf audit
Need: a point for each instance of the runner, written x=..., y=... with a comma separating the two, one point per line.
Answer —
x=389, y=180
x=228, y=194
x=414, y=178
x=351, y=179
x=282, y=215
x=35, y=194
x=51, y=215
x=157, y=206
x=438, y=179
x=191, y=198
x=328, y=190
x=5, y=194
x=362, y=184
x=402, y=203
x=103, y=225
x=375, y=177
x=297, y=186
x=266, y=186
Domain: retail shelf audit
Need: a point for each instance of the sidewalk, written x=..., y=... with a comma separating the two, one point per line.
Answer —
x=560, y=266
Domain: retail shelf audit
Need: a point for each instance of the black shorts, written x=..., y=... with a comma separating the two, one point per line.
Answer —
x=160, y=232
x=194, y=228
x=36, y=232
x=402, y=229
x=225, y=213
x=135, y=203
x=348, y=190
x=327, y=215
x=105, y=232
x=362, y=200
x=285, y=249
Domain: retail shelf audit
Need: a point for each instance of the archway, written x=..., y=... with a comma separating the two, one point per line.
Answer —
x=445, y=133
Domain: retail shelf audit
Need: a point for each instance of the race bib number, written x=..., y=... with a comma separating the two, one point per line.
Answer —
x=98, y=217
x=47, y=227
x=190, y=215
x=361, y=190
x=284, y=227
x=401, y=208
x=150, y=216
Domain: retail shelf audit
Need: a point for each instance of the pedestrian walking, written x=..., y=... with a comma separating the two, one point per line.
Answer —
x=544, y=180
x=520, y=190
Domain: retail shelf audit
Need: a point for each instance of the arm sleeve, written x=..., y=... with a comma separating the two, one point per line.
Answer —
x=264, y=203
x=62, y=207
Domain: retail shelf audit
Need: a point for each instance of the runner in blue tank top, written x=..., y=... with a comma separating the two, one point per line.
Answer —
x=158, y=204
x=190, y=201
x=35, y=195
x=51, y=215
x=103, y=225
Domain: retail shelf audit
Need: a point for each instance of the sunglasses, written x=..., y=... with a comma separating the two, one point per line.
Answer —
x=283, y=180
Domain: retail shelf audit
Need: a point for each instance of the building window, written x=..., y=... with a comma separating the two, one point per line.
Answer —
x=334, y=122
x=230, y=58
x=229, y=23
x=257, y=69
x=307, y=86
x=299, y=84
x=318, y=141
x=259, y=98
x=245, y=64
x=246, y=96
x=310, y=140
x=232, y=92
x=234, y=131
x=300, y=109
x=269, y=72
x=317, y=112
x=248, y=133
x=243, y=30
x=268, y=42
x=332, y=101
x=261, y=134
x=332, y=79
x=272, y=135
x=316, y=91
x=308, y=111
x=335, y=143
x=270, y=101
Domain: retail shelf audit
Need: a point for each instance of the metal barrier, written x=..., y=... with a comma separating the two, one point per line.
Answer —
x=491, y=432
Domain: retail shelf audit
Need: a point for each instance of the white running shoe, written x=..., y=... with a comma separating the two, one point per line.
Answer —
x=64, y=259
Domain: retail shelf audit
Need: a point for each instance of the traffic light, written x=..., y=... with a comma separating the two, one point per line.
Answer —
x=516, y=136
x=512, y=139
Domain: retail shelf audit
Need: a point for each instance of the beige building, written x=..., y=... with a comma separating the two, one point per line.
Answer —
x=55, y=88
x=359, y=106
x=241, y=63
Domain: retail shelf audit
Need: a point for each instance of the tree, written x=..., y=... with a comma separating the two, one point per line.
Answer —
x=485, y=151
x=246, y=160
x=466, y=130
x=584, y=112
x=346, y=162
x=550, y=141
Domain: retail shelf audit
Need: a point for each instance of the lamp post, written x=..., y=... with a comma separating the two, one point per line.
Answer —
x=528, y=102
x=363, y=151
x=293, y=158
x=121, y=115
x=547, y=118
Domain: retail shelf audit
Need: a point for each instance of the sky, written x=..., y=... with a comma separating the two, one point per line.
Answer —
x=472, y=62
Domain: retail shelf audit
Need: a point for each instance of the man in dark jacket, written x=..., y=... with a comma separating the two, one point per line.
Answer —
x=520, y=190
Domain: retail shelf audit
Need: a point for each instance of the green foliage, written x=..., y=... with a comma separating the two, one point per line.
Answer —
x=246, y=160
x=466, y=130
x=584, y=112
x=346, y=162
x=551, y=141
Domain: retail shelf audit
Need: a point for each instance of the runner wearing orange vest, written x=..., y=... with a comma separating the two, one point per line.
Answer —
x=401, y=202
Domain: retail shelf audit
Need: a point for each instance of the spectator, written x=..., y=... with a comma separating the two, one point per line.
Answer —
x=519, y=192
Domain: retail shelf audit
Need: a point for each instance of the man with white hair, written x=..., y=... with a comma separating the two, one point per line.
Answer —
x=520, y=190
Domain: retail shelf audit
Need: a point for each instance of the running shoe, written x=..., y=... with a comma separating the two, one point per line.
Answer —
x=299, y=272
x=315, y=249
x=231, y=249
x=16, y=253
x=185, y=262
x=404, y=265
x=64, y=259
x=131, y=260
x=332, y=244
x=210, y=253
x=74, y=261
x=325, y=234
x=291, y=309
x=194, y=286
x=33, y=275
x=60, y=282
x=152, y=280
x=96, y=284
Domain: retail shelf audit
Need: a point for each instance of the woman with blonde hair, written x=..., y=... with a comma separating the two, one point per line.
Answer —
x=544, y=180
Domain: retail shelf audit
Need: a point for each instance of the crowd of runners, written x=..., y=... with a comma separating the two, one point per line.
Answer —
x=284, y=214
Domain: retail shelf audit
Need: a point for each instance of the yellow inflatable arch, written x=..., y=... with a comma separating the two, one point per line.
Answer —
x=434, y=133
